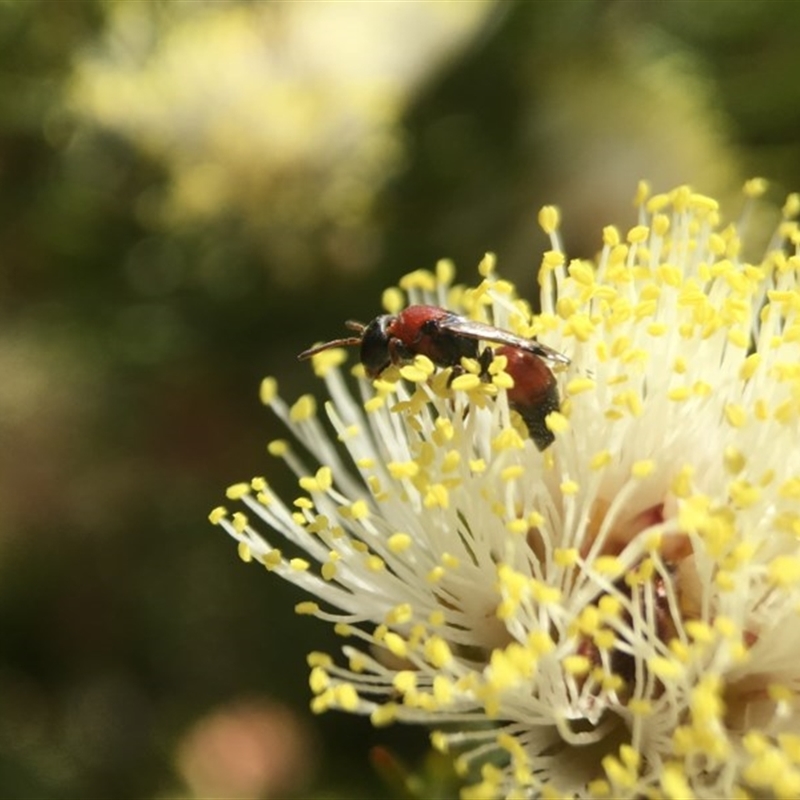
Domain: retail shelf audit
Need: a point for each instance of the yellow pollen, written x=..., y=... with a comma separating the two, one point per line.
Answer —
x=375, y=563
x=318, y=680
x=552, y=259
x=580, y=326
x=674, y=783
x=437, y=652
x=565, y=557
x=395, y=644
x=419, y=371
x=342, y=629
x=512, y=472
x=317, y=659
x=346, y=697
x=556, y=422
x=321, y=482
x=579, y=385
x=445, y=271
x=682, y=482
x=642, y=193
x=679, y=393
x=570, y=487
x=664, y=668
x=322, y=363
x=487, y=265
x=466, y=382
x=436, y=496
x=790, y=489
x=736, y=415
x=444, y=431
x=610, y=566
x=549, y=219
x=237, y=491
x=435, y=574
x=508, y=439
x=239, y=522
x=641, y=469
x=450, y=561
x=392, y=300
x=268, y=390
x=217, y=515
x=600, y=460
x=582, y=272
x=304, y=409
x=503, y=381
x=383, y=715
x=359, y=510
x=661, y=224
x=243, y=550
x=399, y=542
x=405, y=681
x=278, y=447
x=418, y=279
x=544, y=594
x=618, y=774
x=610, y=236
x=755, y=187
x=784, y=570
x=273, y=559
x=307, y=607
x=638, y=234
x=403, y=469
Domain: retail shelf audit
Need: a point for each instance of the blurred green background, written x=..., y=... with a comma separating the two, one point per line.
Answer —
x=190, y=194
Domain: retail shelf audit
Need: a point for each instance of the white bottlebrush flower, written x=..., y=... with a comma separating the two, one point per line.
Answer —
x=618, y=615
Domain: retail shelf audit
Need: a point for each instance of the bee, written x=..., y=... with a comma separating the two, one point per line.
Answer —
x=445, y=338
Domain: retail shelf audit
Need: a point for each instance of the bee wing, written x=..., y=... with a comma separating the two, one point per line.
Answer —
x=488, y=333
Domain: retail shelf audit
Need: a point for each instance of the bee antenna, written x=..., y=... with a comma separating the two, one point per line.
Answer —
x=312, y=351
x=358, y=327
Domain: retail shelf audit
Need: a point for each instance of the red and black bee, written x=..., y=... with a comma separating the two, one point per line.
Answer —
x=445, y=338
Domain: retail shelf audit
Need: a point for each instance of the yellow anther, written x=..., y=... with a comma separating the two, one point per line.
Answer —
x=268, y=390
x=418, y=279
x=556, y=422
x=736, y=415
x=217, y=515
x=641, y=469
x=303, y=409
x=512, y=472
x=237, y=491
x=487, y=265
x=549, y=219
x=239, y=522
x=638, y=234
x=322, y=363
x=399, y=542
x=466, y=382
x=755, y=187
x=403, y=469
x=600, y=460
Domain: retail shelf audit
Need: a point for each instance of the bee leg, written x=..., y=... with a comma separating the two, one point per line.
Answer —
x=398, y=352
x=455, y=371
x=485, y=361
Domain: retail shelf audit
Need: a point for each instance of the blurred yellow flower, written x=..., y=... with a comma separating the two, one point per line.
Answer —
x=283, y=114
x=614, y=616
